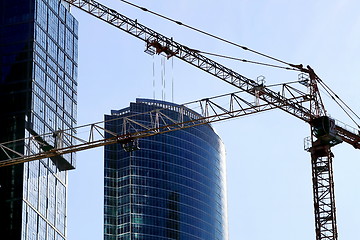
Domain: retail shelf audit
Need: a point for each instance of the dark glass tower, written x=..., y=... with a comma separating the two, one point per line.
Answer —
x=174, y=187
x=38, y=72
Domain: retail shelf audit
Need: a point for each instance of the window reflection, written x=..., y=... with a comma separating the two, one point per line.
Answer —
x=174, y=185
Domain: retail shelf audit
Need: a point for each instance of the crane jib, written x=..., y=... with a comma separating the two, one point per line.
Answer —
x=325, y=132
x=321, y=155
x=163, y=44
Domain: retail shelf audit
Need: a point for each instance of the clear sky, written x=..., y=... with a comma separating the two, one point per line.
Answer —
x=269, y=175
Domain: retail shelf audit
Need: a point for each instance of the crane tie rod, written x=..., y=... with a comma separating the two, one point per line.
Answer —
x=248, y=61
x=334, y=96
x=329, y=91
x=208, y=34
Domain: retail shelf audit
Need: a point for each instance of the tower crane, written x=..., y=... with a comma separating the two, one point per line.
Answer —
x=325, y=131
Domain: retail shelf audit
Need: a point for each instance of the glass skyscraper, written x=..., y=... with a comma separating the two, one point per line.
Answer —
x=38, y=54
x=173, y=187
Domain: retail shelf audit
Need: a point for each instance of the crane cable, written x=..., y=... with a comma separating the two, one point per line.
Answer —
x=293, y=67
x=334, y=96
x=208, y=34
x=248, y=61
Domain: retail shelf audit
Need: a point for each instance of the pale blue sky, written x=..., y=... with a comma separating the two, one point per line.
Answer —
x=269, y=176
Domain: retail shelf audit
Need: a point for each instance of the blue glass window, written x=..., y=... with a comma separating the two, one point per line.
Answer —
x=172, y=188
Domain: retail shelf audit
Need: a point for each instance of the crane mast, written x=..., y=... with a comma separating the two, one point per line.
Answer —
x=323, y=192
x=323, y=137
x=325, y=132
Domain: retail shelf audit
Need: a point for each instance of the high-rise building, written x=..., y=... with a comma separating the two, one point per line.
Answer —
x=172, y=187
x=38, y=70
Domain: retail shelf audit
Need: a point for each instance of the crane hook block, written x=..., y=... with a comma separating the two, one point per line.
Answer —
x=156, y=47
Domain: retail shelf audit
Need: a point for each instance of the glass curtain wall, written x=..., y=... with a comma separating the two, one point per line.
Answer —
x=172, y=188
x=38, y=89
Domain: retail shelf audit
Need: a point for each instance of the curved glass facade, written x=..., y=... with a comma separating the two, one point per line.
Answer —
x=174, y=187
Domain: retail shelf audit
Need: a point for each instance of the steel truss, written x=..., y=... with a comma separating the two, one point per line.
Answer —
x=323, y=192
x=89, y=136
x=160, y=44
x=290, y=101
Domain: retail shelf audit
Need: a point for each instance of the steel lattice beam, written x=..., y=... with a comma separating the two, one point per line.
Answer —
x=58, y=143
x=324, y=202
x=162, y=44
x=323, y=190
